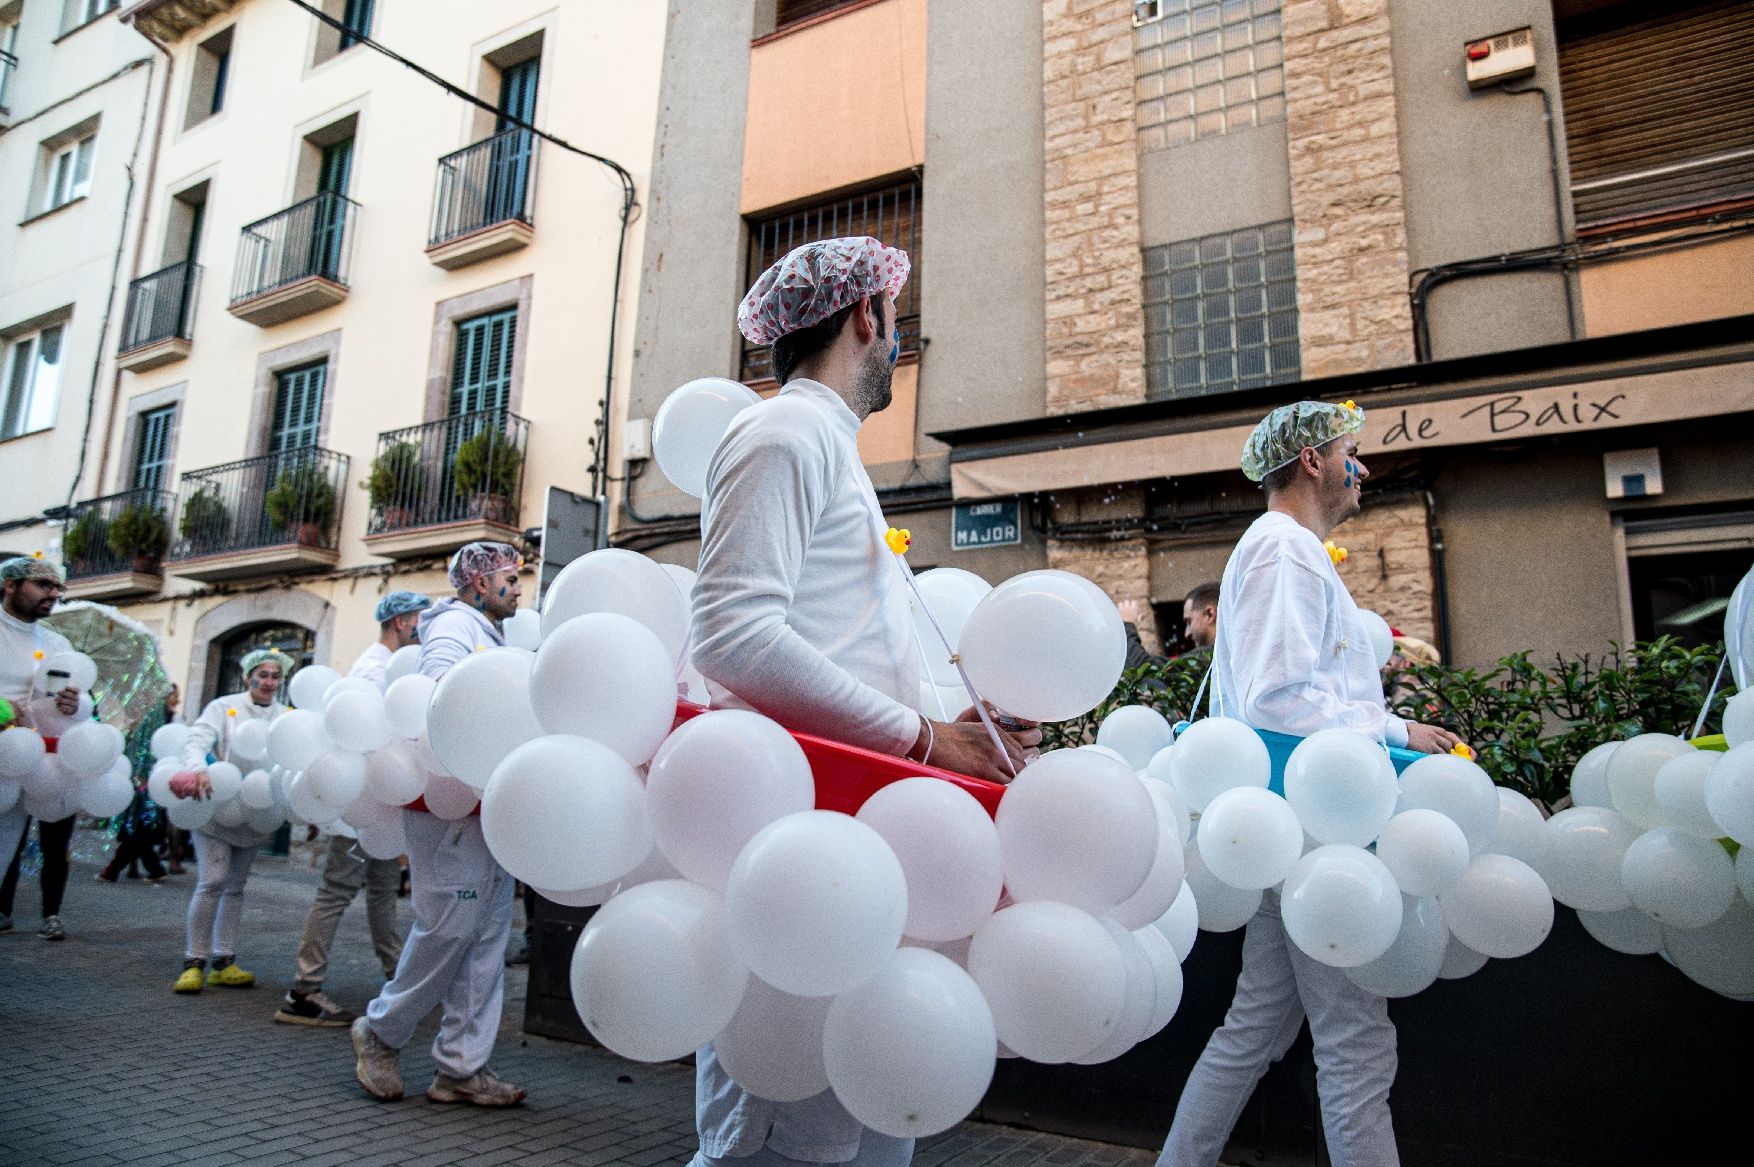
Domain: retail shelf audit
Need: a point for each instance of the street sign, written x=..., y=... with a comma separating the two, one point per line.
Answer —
x=573, y=525
x=974, y=525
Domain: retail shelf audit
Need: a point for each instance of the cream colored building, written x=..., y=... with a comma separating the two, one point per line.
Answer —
x=349, y=277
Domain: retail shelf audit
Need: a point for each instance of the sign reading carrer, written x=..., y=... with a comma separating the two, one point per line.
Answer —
x=985, y=524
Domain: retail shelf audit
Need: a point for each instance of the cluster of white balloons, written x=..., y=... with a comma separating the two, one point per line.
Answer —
x=1641, y=852
x=1398, y=880
x=86, y=772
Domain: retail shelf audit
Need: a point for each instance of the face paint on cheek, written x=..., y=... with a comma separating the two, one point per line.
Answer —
x=1351, y=474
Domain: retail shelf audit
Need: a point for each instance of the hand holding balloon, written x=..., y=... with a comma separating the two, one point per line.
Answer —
x=191, y=784
x=964, y=746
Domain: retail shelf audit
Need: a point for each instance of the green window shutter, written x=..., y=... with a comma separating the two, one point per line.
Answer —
x=298, y=408
x=152, y=448
x=481, y=371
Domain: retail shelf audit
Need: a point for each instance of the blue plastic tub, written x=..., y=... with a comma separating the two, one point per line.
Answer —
x=1280, y=745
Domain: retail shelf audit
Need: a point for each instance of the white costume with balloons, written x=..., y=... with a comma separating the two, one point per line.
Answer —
x=462, y=899
x=23, y=646
x=1292, y=657
x=799, y=614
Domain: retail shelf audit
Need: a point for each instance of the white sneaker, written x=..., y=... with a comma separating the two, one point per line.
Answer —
x=482, y=1088
x=376, y=1065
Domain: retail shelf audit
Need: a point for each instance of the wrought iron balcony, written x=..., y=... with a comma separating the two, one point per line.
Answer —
x=294, y=262
x=437, y=486
x=261, y=516
x=484, y=201
x=114, y=546
x=156, y=328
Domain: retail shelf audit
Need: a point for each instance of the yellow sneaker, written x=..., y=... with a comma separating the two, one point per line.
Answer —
x=190, y=980
x=231, y=977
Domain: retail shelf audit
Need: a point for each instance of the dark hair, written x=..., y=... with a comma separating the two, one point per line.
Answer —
x=794, y=348
x=1206, y=595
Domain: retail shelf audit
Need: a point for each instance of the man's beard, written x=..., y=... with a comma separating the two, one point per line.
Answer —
x=873, y=390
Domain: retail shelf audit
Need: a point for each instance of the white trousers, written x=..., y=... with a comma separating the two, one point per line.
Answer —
x=455, y=954
x=217, y=907
x=1354, y=1053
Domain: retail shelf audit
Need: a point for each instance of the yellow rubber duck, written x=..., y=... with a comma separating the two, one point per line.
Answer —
x=899, y=539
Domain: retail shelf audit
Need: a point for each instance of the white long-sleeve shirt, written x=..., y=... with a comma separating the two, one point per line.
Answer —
x=449, y=631
x=20, y=642
x=371, y=664
x=1292, y=655
x=798, y=611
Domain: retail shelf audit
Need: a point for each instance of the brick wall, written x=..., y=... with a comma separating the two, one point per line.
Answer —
x=1346, y=195
x=1388, y=565
x=1095, y=321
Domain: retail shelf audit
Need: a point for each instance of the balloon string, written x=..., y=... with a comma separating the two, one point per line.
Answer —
x=937, y=697
x=1711, y=694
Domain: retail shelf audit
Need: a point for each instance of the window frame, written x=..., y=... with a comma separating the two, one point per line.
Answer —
x=20, y=403
x=77, y=155
x=157, y=425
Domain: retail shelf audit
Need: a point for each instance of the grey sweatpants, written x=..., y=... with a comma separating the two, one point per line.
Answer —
x=217, y=907
x=1354, y=1053
x=455, y=955
x=345, y=870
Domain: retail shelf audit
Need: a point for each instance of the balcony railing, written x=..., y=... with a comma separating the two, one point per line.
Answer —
x=117, y=534
x=288, y=499
x=312, y=239
x=160, y=306
x=492, y=181
x=8, y=63
x=463, y=469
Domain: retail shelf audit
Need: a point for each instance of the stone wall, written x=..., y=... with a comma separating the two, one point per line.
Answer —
x=1388, y=565
x=1095, y=351
x=1346, y=195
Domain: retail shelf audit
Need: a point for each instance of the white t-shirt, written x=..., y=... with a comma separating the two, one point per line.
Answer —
x=1292, y=655
x=800, y=612
x=20, y=641
x=370, y=665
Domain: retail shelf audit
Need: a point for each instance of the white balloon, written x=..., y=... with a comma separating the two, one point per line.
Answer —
x=302, y=800
x=1044, y=646
x=621, y=581
x=1077, y=828
x=1460, y=961
x=772, y=1046
x=296, y=738
x=1522, y=830
x=355, y=719
x=1137, y=733
x=1221, y=908
x=365, y=812
x=309, y=685
x=523, y=629
x=405, y=661
x=106, y=795
x=1168, y=872
x=1729, y=794
x=49, y=780
x=189, y=814
x=265, y=821
x=21, y=752
x=1680, y=792
x=1342, y=786
x=1456, y=787
x=346, y=685
x=1249, y=837
x=406, y=702
x=1720, y=955
x=1212, y=756
x=948, y=849
x=81, y=672
x=384, y=839
x=1589, y=778
x=1739, y=719
x=1138, y=1003
x=1341, y=905
x=248, y=742
x=158, y=782
x=225, y=779
x=10, y=793
x=336, y=778
x=650, y=869
x=716, y=782
x=1425, y=851
x=1166, y=971
x=1053, y=977
x=88, y=749
x=1181, y=924
x=910, y=1052
x=654, y=976
x=481, y=712
x=1412, y=962
x=1379, y=634
x=1632, y=773
x=230, y=814
x=448, y=797
x=1500, y=908
x=951, y=595
x=393, y=774
x=1744, y=872
x=1679, y=880
x=1585, y=845
x=168, y=740
x=565, y=812
x=1627, y=930
x=256, y=791
x=607, y=677
x=816, y=903
x=691, y=423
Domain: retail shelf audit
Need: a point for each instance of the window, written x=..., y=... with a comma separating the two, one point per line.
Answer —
x=80, y=12
x=481, y=368
x=298, y=408
x=8, y=56
x=68, y=173
x=1205, y=68
x=1221, y=313
x=152, y=447
x=789, y=12
x=357, y=16
x=207, y=81
x=30, y=382
x=890, y=215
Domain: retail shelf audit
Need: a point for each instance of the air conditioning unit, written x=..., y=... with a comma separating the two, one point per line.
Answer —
x=1497, y=59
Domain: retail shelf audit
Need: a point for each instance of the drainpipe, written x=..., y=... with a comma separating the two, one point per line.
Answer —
x=1439, y=576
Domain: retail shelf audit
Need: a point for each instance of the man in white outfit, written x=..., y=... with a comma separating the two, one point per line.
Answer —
x=455, y=955
x=801, y=613
x=346, y=868
x=1292, y=657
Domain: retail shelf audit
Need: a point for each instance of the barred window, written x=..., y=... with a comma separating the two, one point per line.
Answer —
x=1221, y=313
x=890, y=215
x=1205, y=68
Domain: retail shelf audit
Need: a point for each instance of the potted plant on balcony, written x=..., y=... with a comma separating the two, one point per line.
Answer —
x=301, y=502
x=486, y=469
x=205, y=520
x=141, y=535
x=84, y=538
x=395, y=484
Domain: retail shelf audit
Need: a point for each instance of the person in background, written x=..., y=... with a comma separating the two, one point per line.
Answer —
x=30, y=587
x=223, y=855
x=1200, y=616
x=346, y=868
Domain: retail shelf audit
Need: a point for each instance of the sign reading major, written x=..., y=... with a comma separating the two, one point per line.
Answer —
x=974, y=525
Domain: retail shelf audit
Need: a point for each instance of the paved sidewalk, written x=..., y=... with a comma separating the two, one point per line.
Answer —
x=101, y=1064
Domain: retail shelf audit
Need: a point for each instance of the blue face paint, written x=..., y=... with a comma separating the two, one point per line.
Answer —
x=895, y=350
x=1352, y=476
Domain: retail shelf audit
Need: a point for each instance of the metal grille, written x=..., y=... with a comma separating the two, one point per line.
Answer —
x=891, y=216
x=492, y=181
x=152, y=449
x=93, y=543
x=281, y=498
x=159, y=306
x=298, y=408
x=312, y=238
x=1221, y=313
x=1206, y=68
x=414, y=481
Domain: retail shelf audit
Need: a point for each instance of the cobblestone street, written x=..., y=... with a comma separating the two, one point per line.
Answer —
x=103, y=1065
